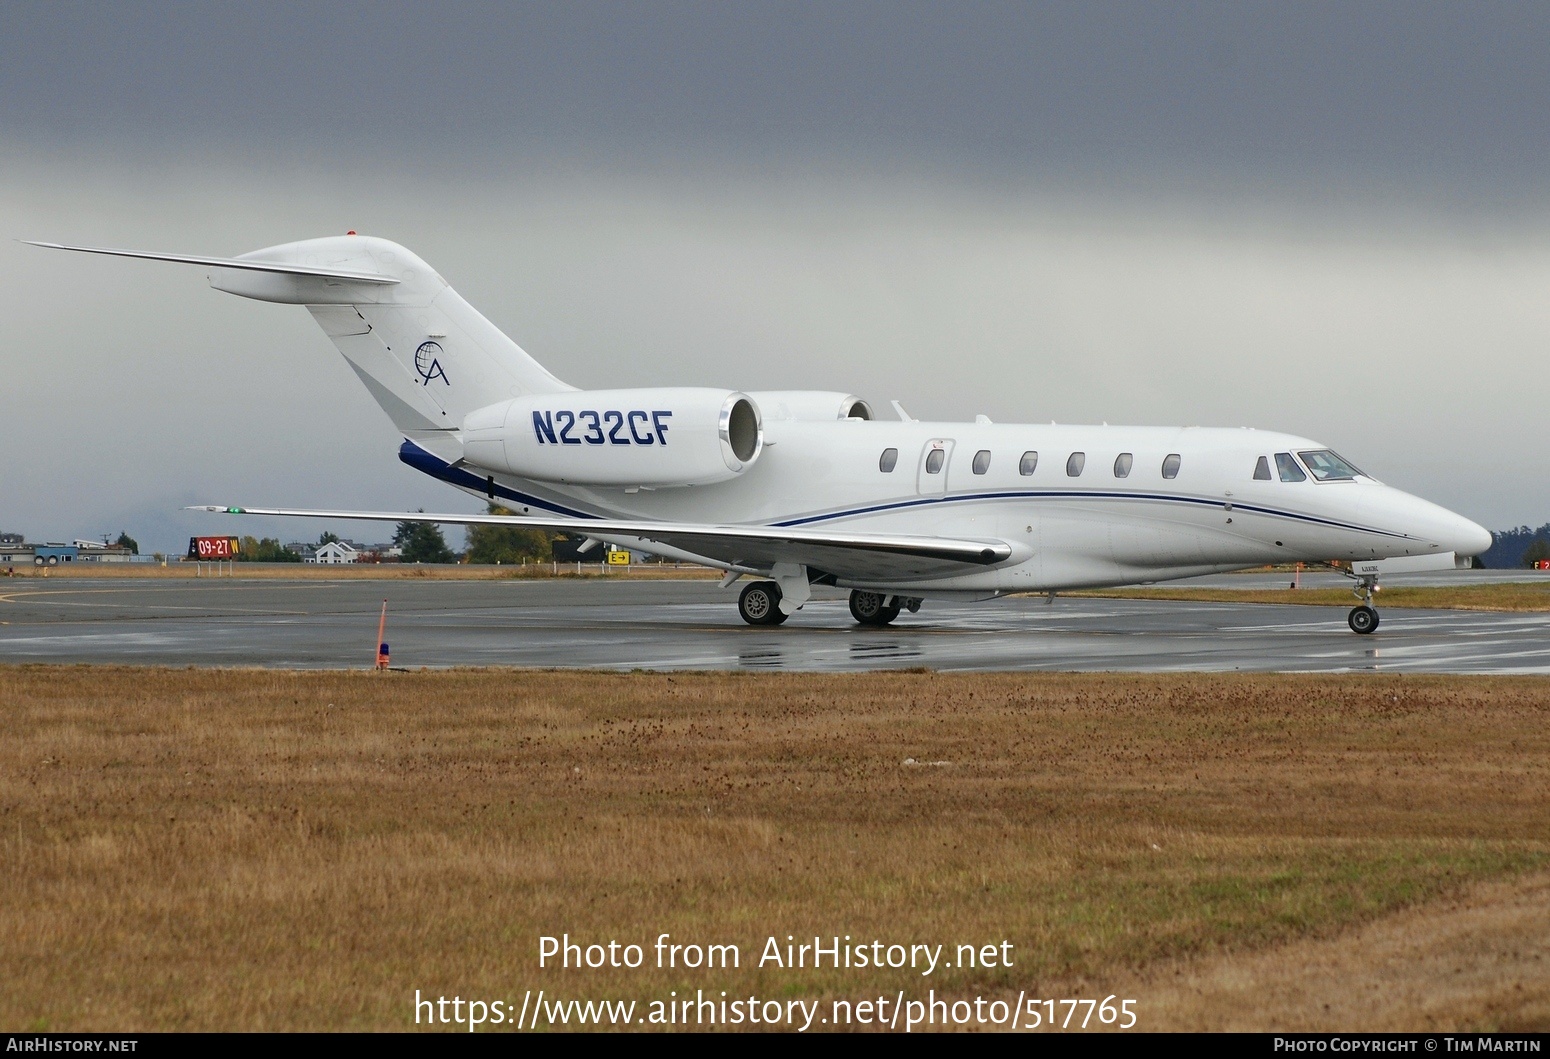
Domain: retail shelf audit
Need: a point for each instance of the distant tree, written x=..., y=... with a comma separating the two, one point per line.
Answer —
x=328, y=537
x=422, y=542
x=1508, y=546
x=506, y=544
x=1536, y=552
x=126, y=541
x=268, y=550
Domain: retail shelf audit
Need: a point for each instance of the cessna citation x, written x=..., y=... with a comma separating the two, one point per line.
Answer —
x=799, y=488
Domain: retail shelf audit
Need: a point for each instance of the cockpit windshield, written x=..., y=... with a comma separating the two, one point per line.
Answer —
x=1327, y=466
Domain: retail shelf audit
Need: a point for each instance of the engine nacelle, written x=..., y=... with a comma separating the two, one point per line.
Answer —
x=811, y=406
x=648, y=437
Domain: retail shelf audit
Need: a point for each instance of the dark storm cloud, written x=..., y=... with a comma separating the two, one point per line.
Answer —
x=1442, y=97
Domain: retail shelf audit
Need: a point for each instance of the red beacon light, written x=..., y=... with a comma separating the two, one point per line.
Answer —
x=350, y=232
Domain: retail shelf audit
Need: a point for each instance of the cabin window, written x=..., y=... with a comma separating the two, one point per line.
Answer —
x=1290, y=472
x=1171, y=465
x=1327, y=466
x=1122, y=465
x=934, y=461
x=889, y=460
x=982, y=461
x=1026, y=465
x=1262, y=470
x=1074, y=465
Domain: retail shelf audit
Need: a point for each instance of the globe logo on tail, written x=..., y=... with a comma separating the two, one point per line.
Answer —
x=427, y=364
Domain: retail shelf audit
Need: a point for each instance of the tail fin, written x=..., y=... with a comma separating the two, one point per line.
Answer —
x=426, y=355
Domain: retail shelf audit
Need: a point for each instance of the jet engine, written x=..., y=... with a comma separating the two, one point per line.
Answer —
x=647, y=437
x=811, y=406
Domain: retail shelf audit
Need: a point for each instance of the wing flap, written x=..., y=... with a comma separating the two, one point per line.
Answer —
x=862, y=557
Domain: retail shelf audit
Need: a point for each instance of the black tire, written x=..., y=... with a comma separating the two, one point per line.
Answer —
x=1362, y=619
x=868, y=608
x=53, y=560
x=759, y=604
x=37, y=560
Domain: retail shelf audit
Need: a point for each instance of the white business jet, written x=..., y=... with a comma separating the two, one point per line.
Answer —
x=800, y=488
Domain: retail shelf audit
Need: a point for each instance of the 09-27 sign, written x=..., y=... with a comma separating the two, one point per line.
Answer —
x=212, y=547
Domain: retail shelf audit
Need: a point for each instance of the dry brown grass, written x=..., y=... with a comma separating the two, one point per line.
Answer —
x=280, y=850
x=1510, y=597
x=1484, y=953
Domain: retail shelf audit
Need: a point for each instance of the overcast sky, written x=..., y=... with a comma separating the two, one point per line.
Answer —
x=1327, y=219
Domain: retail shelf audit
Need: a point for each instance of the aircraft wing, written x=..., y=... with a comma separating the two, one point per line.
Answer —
x=860, y=557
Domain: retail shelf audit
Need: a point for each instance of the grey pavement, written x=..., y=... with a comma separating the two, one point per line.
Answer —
x=694, y=625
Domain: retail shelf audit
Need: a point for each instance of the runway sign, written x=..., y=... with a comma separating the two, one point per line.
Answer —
x=212, y=547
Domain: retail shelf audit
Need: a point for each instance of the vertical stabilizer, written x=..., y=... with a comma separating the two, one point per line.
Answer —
x=426, y=355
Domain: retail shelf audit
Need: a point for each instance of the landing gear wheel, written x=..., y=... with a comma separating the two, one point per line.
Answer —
x=1362, y=619
x=868, y=608
x=760, y=604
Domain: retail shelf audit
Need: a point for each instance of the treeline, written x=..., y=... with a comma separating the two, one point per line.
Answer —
x=508, y=544
x=424, y=542
x=1516, y=548
x=267, y=550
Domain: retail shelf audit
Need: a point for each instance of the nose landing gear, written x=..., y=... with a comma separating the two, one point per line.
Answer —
x=1364, y=618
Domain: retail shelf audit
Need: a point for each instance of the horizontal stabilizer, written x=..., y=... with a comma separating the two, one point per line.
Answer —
x=245, y=264
x=859, y=557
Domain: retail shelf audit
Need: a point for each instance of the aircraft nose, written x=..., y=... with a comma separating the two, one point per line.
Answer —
x=1468, y=538
x=1435, y=524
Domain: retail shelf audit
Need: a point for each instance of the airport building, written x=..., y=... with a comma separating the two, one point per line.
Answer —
x=335, y=552
x=345, y=551
x=15, y=550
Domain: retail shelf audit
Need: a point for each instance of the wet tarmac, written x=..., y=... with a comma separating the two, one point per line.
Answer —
x=694, y=625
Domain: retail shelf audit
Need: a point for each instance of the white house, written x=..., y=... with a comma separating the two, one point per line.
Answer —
x=335, y=552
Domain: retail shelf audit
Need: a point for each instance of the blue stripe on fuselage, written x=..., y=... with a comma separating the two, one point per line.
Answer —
x=436, y=467
x=1080, y=494
x=423, y=461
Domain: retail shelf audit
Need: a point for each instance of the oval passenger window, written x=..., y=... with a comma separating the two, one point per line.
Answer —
x=1026, y=465
x=934, y=461
x=1075, y=464
x=1122, y=464
x=1171, y=465
x=982, y=461
x=889, y=461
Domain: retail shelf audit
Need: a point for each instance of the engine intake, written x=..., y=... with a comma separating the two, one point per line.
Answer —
x=811, y=406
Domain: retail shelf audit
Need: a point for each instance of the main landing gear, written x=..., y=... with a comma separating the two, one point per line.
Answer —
x=875, y=608
x=872, y=608
x=1364, y=618
x=760, y=604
